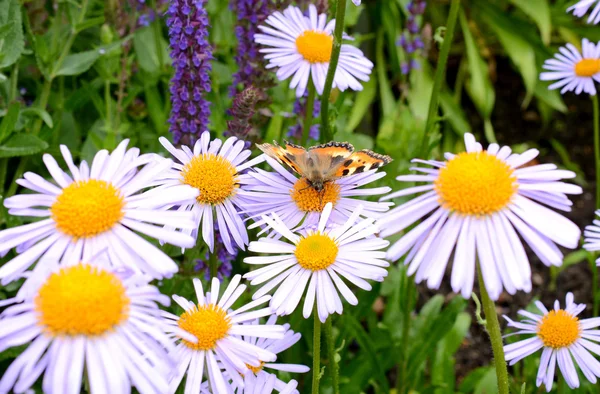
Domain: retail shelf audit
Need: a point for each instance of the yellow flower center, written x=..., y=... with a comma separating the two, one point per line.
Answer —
x=87, y=208
x=476, y=183
x=213, y=175
x=587, y=67
x=256, y=369
x=82, y=300
x=316, y=252
x=207, y=323
x=559, y=329
x=309, y=200
x=315, y=46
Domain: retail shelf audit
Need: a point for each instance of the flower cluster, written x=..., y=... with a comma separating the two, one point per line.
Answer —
x=191, y=53
x=295, y=131
x=411, y=40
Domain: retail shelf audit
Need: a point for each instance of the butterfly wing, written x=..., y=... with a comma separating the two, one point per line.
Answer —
x=362, y=161
x=324, y=160
x=293, y=156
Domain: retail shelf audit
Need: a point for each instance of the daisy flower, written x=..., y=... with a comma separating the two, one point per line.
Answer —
x=317, y=259
x=356, y=2
x=210, y=174
x=300, y=46
x=106, y=326
x=564, y=339
x=592, y=237
x=295, y=202
x=574, y=71
x=477, y=203
x=582, y=7
x=266, y=384
x=95, y=208
x=208, y=338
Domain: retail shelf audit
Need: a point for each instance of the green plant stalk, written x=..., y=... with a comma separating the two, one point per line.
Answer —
x=308, y=116
x=493, y=329
x=440, y=75
x=213, y=265
x=316, y=367
x=333, y=364
x=157, y=35
x=402, y=364
x=340, y=17
x=597, y=146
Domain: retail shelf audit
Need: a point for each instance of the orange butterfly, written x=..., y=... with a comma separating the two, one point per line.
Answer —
x=325, y=163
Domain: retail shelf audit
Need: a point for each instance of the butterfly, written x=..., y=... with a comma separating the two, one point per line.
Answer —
x=325, y=163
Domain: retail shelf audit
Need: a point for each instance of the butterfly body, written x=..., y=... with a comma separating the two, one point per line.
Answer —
x=324, y=163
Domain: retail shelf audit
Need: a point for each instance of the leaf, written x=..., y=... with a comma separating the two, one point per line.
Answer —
x=9, y=120
x=78, y=63
x=45, y=116
x=550, y=97
x=479, y=87
x=539, y=11
x=22, y=145
x=144, y=44
x=363, y=102
x=12, y=41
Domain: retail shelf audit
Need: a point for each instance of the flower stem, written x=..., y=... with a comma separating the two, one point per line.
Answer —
x=493, y=329
x=213, y=265
x=333, y=363
x=440, y=75
x=316, y=368
x=597, y=146
x=333, y=62
x=309, y=110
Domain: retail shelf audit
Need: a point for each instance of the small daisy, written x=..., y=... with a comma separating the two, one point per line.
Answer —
x=85, y=319
x=295, y=202
x=301, y=46
x=356, y=2
x=317, y=259
x=210, y=174
x=592, y=237
x=572, y=71
x=477, y=203
x=582, y=7
x=262, y=384
x=564, y=339
x=216, y=330
x=95, y=208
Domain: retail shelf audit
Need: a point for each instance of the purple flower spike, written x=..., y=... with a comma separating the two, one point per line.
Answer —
x=191, y=53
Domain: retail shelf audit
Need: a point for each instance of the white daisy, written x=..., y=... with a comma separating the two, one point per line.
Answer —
x=261, y=384
x=592, y=237
x=300, y=46
x=295, y=202
x=582, y=7
x=317, y=259
x=211, y=176
x=95, y=208
x=574, y=71
x=564, y=339
x=87, y=318
x=356, y=2
x=476, y=203
x=215, y=331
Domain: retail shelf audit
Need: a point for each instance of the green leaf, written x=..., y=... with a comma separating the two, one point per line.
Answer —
x=78, y=63
x=22, y=145
x=539, y=11
x=478, y=86
x=45, y=116
x=363, y=102
x=12, y=41
x=144, y=44
x=9, y=120
x=550, y=97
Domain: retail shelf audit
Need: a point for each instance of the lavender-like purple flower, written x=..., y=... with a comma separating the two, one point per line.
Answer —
x=411, y=40
x=191, y=53
x=295, y=131
x=224, y=260
x=252, y=66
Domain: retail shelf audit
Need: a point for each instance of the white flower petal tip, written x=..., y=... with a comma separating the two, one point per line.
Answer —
x=356, y=2
x=300, y=48
x=227, y=348
x=565, y=341
x=88, y=210
x=317, y=262
x=117, y=345
x=484, y=218
x=582, y=7
x=572, y=70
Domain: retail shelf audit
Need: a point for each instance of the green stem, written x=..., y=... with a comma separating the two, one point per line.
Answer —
x=213, y=265
x=493, y=329
x=14, y=80
x=407, y=310
x=440, y=75
x=333, y=62
x=597, y=146
x=18, y=173
x=331, y=354
x=37, y=125
x=308, y=116
x=111, y=133
x=316, y=368
x=157, y=35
